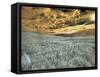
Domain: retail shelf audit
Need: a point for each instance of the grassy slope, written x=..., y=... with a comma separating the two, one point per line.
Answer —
x=50, y=52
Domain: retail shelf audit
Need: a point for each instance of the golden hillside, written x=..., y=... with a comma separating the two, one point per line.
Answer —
x=58, y=21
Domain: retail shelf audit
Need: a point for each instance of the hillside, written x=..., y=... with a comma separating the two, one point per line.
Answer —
x=58, y=21
x=78, y=30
